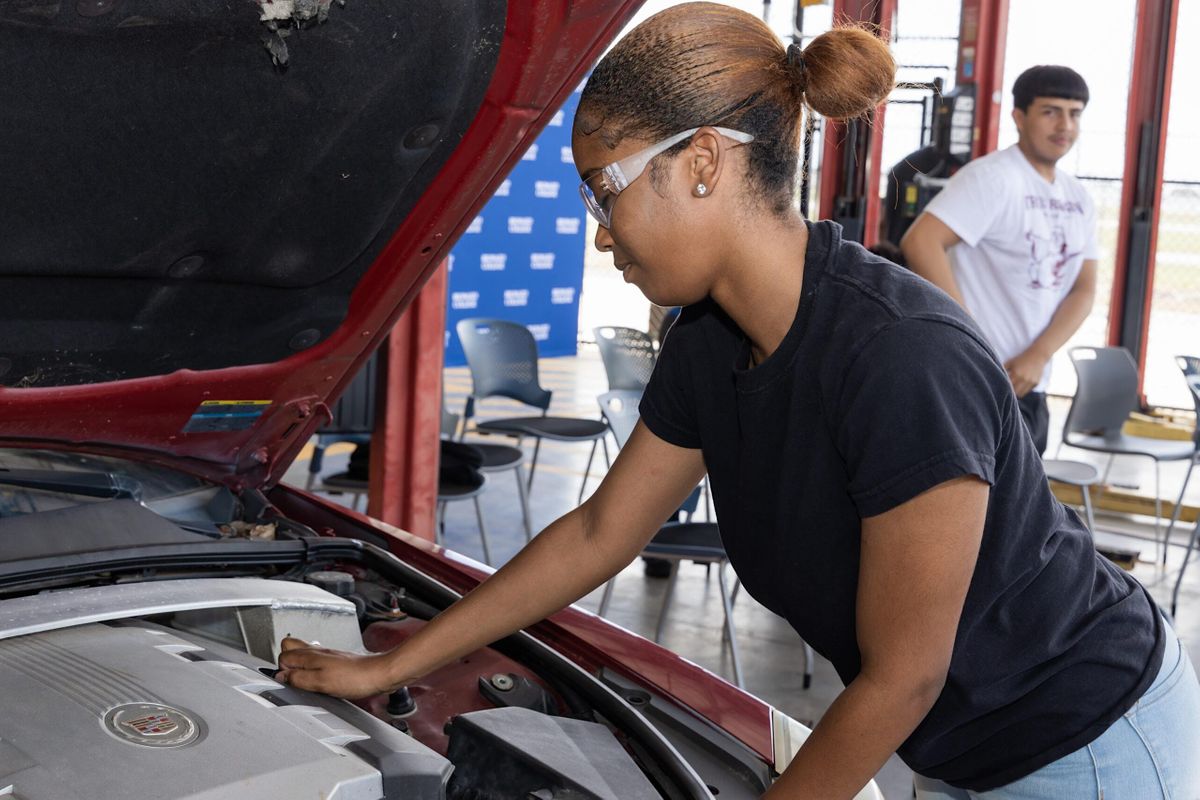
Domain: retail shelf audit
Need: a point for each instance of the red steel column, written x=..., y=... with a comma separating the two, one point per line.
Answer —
x=406, y=443
x=982, y=34
x=851, y=151
x=1141, y=190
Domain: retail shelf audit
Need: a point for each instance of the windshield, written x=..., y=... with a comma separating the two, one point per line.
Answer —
x=175, y=495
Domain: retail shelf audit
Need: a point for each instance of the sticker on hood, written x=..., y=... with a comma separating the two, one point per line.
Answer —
x=226, y=415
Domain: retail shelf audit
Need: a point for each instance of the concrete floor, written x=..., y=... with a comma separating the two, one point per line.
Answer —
x=772, y=655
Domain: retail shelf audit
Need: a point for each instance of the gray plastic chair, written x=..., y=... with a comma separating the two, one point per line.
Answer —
x=1190, y=366
x=503, y=361
x=628, y=356
x=680, y=541
x=1106, y=394
x=1081, y=476
x=620, y=411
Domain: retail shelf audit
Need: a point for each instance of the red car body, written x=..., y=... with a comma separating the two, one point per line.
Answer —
x=545, y=50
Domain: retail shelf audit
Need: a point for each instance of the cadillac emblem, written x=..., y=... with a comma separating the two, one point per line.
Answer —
x=151, y=725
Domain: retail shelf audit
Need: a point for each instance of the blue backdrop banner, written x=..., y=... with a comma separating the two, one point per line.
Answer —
x=522, y=258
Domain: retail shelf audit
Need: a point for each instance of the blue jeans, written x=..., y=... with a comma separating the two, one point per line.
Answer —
x=1152, y=752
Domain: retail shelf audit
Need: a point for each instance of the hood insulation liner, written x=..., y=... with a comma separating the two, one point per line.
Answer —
x=173, y=196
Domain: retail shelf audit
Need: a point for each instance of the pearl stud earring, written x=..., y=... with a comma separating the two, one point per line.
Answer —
x=701, y=189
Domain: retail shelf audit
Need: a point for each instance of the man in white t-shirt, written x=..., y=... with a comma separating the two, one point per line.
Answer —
x=1013, y=239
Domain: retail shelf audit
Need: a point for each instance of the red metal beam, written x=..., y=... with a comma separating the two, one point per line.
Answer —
x=406, y=443
x=982, y=33
x=851, y=152
x=874, y=203
x=1141, y=190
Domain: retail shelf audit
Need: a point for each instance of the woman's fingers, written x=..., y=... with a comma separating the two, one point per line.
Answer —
x=307, y=679
x=299, y=656
x=292, y=643
x=334, y=672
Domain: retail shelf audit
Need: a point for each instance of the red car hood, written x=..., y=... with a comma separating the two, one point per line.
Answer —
x=214, y=211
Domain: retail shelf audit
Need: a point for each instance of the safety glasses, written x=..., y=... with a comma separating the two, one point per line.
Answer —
x=599, y=191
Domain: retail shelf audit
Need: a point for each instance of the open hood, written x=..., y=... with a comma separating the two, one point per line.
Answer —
x=212, y=211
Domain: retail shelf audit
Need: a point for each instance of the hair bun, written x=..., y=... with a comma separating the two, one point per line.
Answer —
x=847, y=71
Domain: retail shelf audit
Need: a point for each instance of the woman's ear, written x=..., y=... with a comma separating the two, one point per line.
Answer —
x=706, y=157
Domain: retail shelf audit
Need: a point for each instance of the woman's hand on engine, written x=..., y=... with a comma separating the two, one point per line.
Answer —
x=306, y=665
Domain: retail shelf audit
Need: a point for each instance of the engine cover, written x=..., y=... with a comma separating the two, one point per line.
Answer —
x=117, y=711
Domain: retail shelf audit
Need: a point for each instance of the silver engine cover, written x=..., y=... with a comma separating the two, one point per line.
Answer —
x=98, y=711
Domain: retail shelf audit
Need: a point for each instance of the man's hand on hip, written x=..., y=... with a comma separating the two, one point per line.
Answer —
x=1025, y=371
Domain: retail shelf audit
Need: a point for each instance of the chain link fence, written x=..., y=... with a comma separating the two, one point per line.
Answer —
x=1175, y=304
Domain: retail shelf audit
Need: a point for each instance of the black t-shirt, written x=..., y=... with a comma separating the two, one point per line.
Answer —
x=882, y=389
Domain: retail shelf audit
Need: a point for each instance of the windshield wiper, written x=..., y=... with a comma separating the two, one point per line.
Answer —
x=104, y=485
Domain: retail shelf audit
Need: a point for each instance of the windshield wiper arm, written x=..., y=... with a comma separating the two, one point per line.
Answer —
x=86, y=484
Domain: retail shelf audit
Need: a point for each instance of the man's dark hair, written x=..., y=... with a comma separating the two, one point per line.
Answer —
x=1048, y=81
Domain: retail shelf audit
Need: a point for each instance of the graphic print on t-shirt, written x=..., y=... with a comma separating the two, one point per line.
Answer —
x=1048, y=259
x=1050, y=255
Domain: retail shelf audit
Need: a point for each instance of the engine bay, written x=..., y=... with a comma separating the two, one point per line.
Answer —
x=170, y=684
x=139, y=636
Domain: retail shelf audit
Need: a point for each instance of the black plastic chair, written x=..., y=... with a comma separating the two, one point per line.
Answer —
x=342, y=482
x=496, y=458
x=352, y=420
x=503, y=361
x=628, y=356
x=466, y=484
x=1107, y=393
x=355, y=481
x=1190, y=366
x=680, y=541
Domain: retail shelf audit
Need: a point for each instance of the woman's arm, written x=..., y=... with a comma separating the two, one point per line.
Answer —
x=570, y=558
x=917, y=563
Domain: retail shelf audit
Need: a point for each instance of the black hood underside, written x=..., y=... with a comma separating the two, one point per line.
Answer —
x=171, y=197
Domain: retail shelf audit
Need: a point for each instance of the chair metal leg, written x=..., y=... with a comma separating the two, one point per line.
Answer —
x=1179, y=502
x=708, y=515
x=314, y=465
x=487, y=553
x=809, y=660
x=587, y=471
x=523, y=497
x=1108, y=469
x=1183, y=567
x=537, y=447
x=607, y=596
x=1158, y=509
x=666, y=606
x=737, y=587
x=733, y=646
x=1087, y=509
x=604, y=444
